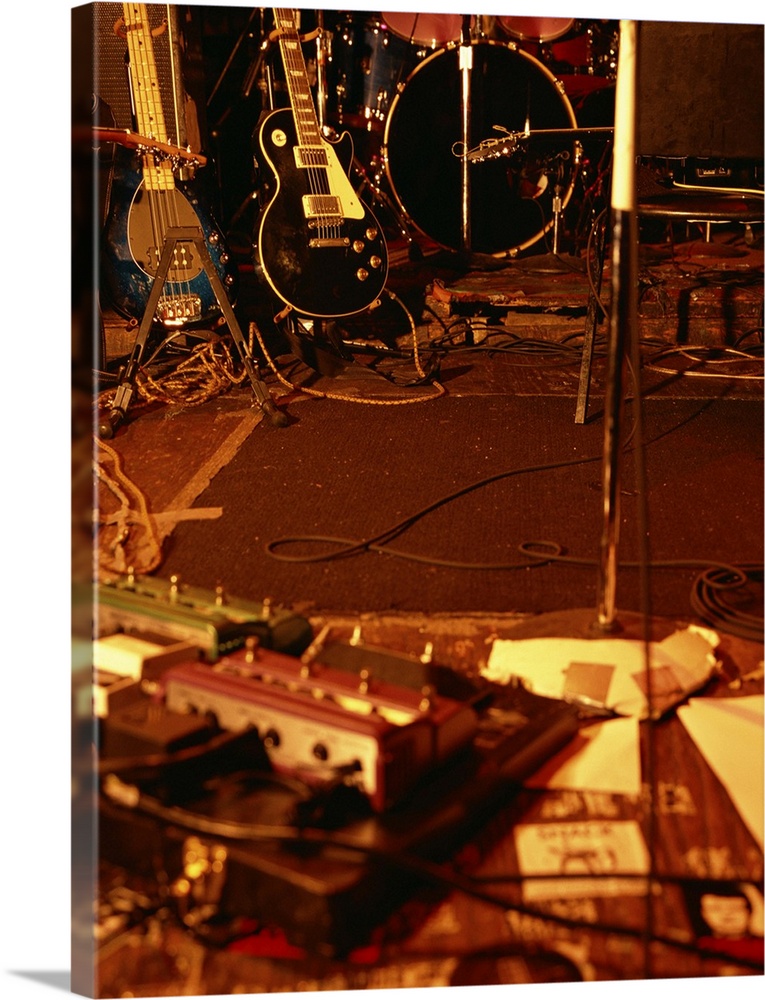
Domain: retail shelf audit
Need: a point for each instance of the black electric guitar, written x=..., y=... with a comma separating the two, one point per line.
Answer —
x=319, y=247
x=153, y=192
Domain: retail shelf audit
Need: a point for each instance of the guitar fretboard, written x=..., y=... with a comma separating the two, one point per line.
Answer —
x=301, y=99
x=150, y=119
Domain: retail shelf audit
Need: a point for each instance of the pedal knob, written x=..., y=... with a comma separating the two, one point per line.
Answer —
x=428, y=696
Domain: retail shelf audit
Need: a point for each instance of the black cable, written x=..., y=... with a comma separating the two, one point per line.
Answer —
x=154, y=761
x=710, y=601
x=712, y=578
x=436, y=874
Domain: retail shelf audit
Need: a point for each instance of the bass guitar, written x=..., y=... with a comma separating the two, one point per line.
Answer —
x=318, y=246
x=154, y=191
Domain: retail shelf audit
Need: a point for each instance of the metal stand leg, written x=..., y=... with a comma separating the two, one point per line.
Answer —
x=124, y=393
x=590, y=328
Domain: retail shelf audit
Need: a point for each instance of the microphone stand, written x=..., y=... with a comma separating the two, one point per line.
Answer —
x=466, y=66
x=623, y=323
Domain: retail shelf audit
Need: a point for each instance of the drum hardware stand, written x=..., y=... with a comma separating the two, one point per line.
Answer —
x=251, y=74
x=378, y=195
x=122, y=397
x=591, y=322
x=375, y=191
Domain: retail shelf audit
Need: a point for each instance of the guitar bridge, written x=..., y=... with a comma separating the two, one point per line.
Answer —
x=330, y=241
x=175, y=310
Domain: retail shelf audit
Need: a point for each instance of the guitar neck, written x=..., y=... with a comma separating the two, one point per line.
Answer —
x=301, y=99
x=150, y=118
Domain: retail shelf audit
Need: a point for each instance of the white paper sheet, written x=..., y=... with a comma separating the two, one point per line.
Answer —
x=609, y=673
x=729, y=734
x=602, y=757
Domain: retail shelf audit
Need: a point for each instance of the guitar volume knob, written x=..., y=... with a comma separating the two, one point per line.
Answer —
x=375, y=261
x=362, y=274
x=358, y=245
x=371, y=233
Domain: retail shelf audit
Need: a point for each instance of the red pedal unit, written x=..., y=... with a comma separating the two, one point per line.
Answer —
x=319, y=723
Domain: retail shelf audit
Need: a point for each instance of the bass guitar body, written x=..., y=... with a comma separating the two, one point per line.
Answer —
x=134, y=234
x=318, y=246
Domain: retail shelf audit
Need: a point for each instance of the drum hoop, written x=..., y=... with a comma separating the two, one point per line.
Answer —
x=421, y=40
x=570, y=22
x=568, y=107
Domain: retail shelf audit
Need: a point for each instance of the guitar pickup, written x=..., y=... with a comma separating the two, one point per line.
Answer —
x=322, y=205
x=310, y=156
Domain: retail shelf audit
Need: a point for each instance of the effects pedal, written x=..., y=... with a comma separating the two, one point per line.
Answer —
x=214, y=621
x=319, y=724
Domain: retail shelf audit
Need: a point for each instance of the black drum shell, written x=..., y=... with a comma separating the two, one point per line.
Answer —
x=423, y=134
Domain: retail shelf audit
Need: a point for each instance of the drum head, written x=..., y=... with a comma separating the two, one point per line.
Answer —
x=430, y=30
x=509, y=197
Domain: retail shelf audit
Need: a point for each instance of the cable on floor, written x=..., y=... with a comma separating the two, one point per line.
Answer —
x=348, y=397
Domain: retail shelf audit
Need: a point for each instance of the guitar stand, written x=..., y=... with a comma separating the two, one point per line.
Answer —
x=119, y=406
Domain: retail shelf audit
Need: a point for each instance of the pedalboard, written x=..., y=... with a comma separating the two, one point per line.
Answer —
x=317, y=773
x=216, y=622
x=331, y=884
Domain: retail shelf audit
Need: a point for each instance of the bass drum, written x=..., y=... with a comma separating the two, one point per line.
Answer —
x=510, y=197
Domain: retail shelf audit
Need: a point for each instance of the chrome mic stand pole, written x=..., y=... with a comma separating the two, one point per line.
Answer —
x=466, y=66
x=623, y=323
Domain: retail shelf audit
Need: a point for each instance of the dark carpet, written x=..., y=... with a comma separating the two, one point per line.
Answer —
x=357, y=473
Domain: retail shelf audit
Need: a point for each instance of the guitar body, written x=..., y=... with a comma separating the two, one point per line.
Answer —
x=130, y=254
x=321, y=264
